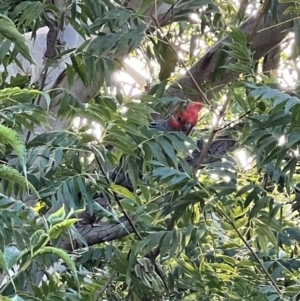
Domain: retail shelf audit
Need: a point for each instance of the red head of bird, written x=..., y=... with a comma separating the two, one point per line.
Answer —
x=185, y=119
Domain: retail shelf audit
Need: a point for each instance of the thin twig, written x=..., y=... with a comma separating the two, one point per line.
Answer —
x=185, y=66
x=278, y=24
x=251, y=250
x=261, y=14
x=213, y=133
x=110, y=279
x=117, y=199
x=167, y=12
x=233, y=122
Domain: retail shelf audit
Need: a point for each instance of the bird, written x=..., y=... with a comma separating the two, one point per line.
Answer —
x=181, y=119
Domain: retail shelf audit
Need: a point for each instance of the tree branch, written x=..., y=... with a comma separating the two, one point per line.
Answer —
x=264, y=41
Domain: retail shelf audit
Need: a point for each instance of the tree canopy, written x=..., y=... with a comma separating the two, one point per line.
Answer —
x=96, y=204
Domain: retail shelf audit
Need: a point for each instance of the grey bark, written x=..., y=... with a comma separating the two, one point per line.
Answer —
x=98, y=233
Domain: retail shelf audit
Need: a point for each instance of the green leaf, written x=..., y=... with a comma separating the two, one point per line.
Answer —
x=291, y=103
x=59, y=228
x=245, y=189
x=151, y=241
x=57, y=216
x=263, y=242
x=3, y=262
x=9, y=136
x=130, y=128
x=266, y=231
x=240, y=100
x=293, y=138
x=64, y=256
x=241, y=222
x=13, y=176
x=165, y=244
x=143, y=7
x=238, y=68
x=259, y=204
x=168, y=149
x=166, y=57
x=122, y=191
x=296, y=116
x=237, y=35
x=9, y=31
x=156, y=151
x=11, y=255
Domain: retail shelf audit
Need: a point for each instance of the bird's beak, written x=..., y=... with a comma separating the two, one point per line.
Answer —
x=187, y=128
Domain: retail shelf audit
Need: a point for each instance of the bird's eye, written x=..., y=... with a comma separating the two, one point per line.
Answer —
x=179, y=118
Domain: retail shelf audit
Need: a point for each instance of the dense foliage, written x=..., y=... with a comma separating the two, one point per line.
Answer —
x=226, y=230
